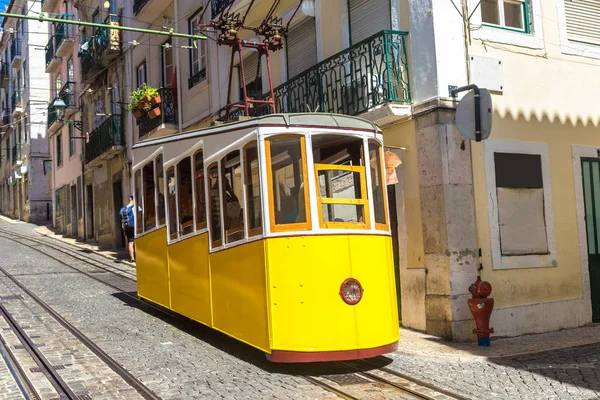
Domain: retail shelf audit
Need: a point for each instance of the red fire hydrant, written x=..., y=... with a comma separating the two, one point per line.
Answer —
x=481, y=308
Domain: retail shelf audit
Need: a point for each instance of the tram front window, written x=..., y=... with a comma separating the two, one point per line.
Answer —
x=288, y=192
x=339, y=167
x=377, y=185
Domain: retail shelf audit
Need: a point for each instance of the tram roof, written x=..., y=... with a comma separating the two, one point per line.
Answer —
x=312, y=120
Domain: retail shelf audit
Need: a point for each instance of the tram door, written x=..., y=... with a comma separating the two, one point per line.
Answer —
x=591, y=194
x=391, y=190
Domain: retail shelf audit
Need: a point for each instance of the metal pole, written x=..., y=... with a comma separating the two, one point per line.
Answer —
x=83, y=208
x=42, y=18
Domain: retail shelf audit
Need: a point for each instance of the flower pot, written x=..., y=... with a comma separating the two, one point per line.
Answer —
x=141, y=104
x=155, y=100
x=155, y=112
x=137, y=114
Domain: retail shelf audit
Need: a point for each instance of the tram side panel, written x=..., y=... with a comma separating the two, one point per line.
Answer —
x=190, y=278
x=152, y=267
x=307, y=311
x=239, y=293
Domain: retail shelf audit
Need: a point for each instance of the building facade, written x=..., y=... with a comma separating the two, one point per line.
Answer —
x=25, y=183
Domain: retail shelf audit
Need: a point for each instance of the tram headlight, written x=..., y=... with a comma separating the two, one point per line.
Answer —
x=351, y=291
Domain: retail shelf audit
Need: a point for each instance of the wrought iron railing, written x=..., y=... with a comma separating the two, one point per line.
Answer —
x=107, y=135
x=168, y=112
x=15, y=47
x=52, y=115
x=50, y=53
x=353, y=81
x=219, y=5
x=138, y=5
x=103, y=41
x=200, y=75
x=67, y=94
x=16, y=153
x=4, y=71
x=5, y=116
x=16, y=99
x=61, y=32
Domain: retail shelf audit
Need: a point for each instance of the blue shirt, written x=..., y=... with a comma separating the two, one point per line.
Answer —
x=131, y=215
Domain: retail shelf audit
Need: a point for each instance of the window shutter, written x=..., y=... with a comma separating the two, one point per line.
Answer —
x=583, y=20
x=367, y=17
x=302, y=47
x=250, y=64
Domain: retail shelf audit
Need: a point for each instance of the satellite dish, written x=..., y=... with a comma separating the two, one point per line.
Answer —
x=465, y=114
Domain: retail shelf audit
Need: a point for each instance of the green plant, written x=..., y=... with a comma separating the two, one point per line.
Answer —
x=143, y=95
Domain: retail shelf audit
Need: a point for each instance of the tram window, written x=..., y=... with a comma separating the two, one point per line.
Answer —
x=200, y=191
x=139, y=226
x=215, y=205
x=253, y=203
x=231, y=179
x=288, y=191
x=171, y=200
x=184, y=195
x=149, y=203
x=160, y=181
x=342, y=196
x=377, y=183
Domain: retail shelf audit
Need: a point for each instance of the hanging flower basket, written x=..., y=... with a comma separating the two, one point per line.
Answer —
x=155, y=100
x=155, y=112
x=137, y=114
x=143, y=98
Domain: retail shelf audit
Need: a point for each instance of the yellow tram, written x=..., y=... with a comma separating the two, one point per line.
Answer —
x=274, y=231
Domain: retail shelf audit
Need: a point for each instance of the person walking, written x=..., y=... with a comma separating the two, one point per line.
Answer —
x=128, y=226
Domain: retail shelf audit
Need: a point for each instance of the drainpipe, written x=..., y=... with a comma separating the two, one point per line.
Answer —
x=178, y=66
x=83, y=211
x=129, y=142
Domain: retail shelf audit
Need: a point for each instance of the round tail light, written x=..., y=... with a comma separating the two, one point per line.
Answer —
x=351, y=291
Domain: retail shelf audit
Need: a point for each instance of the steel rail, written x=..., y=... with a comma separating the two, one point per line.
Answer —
x=49, y=371
x=131, y=380
x=21, y=379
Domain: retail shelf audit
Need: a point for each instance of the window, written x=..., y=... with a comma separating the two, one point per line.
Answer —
x=71, y=140
x=57, y=83
x=70, y=70
x=215, y=205
x=59, y=161
x=253, y=203
x=340, y=173
x=301, y=48
x=579, y=28
x=288, y=190
x=141, y=74
x=139, y=202
x=198, y=54
x=520, y=191
x=200, y=191
x=171, y=200
x=378, y=185
x=231, y=181
x=149, y=200
x=184, y=195
x=167, y=64
x=510, y=14
x=160, y=181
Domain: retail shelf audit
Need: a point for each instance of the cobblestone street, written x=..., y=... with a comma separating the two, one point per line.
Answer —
x=178, y=359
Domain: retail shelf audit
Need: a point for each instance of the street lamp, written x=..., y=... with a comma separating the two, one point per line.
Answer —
x=60, y=106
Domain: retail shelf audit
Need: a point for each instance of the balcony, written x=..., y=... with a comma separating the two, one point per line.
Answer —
x=17, y=106
x=102, y=49
x=5, y=119
x=167, y=120
x=106, y=140
x=147, y=10
x=54, y=123
x=15, y=52
x=63, y=40
x=218, y=6
x=52, y=62
x=67, y=94
x=48, y=5
x=4, y=76
x=368, y=79
x=16, y=154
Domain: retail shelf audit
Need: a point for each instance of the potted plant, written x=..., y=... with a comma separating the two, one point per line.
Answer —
x=154, y=112
x=143, y=99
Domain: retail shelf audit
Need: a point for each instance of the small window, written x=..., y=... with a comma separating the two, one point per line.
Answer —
x=71, y=140
x=160, y=181
x=253, y=203
x=141, y=74
x=59, y=156
x=231, y=180
x=510, y=14
x=215, y=205
x=172, y=201
x=200, y=191
x=149, y=203
x=139, y=226
x=378, y=186
x=184, y=195
x=288, y=191
x=197, y=53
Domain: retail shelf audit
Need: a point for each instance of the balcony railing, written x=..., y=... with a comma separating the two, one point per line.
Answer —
x=368, y=74
x=16, y=99
x=52, y=116
x=50, y=51
x=5, y=117
x=60, y=33
x=168, y=112
x=102, y=48
x=107, y=135
x=16, y=153
x=218, y=6
x=15, y=47
x=67, y=94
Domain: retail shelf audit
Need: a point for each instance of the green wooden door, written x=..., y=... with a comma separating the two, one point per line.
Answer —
x=591, y=195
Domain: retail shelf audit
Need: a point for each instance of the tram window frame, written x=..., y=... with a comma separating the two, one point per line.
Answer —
x=200, y=206
x=147, y=224
x=215, y=243
x=295, y=226
x=249, y=187
x=160, y=190
x=185, y=228
x=138, y=202
x=172, y=214
x=232, y=235
x=382, y=180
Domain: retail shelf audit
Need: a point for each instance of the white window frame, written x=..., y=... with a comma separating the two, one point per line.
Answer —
x=197, y=55
x=568, y=46
x=139, y=71
x=498, y=34
x=520, y=261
